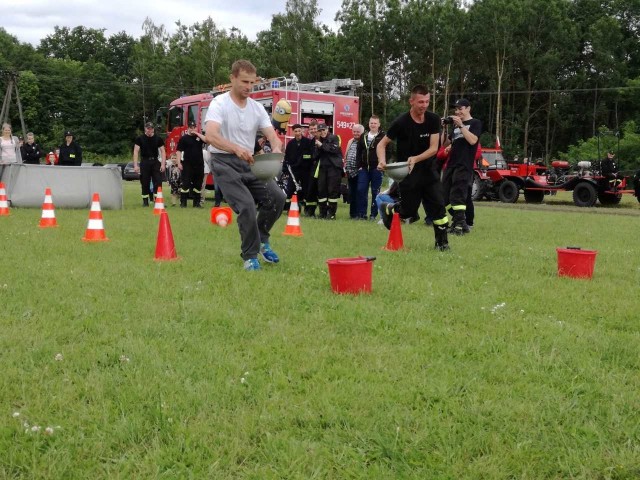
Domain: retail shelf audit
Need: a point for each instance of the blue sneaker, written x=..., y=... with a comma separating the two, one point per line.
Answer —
x=267, y=254
x=251, y=264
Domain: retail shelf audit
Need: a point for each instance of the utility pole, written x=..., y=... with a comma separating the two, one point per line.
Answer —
x=12, y=85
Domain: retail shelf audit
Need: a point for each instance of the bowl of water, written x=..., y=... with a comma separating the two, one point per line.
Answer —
x=397, y=171
x=267, y=166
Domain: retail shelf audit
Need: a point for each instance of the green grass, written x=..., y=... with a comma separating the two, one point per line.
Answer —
x=427, y=377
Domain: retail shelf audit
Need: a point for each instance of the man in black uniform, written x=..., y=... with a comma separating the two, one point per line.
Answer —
x=416, y=134
x=459, y=172
x=31, y=151
x=330, y=174
x=311, y=166
x=148, y=146
x=70, y=151
x=297, y=156
x=191, y=163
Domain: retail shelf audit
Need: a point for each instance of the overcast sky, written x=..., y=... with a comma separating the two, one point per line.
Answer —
x=32, y=20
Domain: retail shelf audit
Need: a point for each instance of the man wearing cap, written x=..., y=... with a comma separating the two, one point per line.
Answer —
x=297, y=157
x=329, y=157
x=231, y=124
x=70, y=152
x=458, y=174
x=148, y=146
x=191, y=163
x=417, y=135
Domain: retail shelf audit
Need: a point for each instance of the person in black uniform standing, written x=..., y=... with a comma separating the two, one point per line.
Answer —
x=311, y=166
x=148, y=146
x=297, y=156
x=31, y=151
x=70, y=151
x=330, y=174
x=459, y=172
x=417, y=135
x=191, y=164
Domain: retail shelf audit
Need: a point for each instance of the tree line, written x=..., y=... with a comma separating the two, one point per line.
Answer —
x=551, y=78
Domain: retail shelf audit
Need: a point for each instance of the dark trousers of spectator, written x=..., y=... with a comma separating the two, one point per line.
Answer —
x=329, y=190
x=311, y=195
x=372, y=177
x=352, y=182
x=470, y=212
x=192, y=177
x=217, y=199
x=150, y=169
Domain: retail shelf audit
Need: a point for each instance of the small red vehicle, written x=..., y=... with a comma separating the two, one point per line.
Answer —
x=589, y=182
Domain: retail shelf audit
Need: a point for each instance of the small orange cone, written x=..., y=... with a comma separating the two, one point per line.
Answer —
x=95, y=228
x=158, y=207
x=165, y=248
x=221, y=216
x=48, y=218
x=4, y=203
x=395, y=241
x=293, y=220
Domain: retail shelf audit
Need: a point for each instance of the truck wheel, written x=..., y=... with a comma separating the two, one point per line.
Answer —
x=477, y=188
x=508, y=192
x=533, y=196
x=609, y=198
x=584, y=195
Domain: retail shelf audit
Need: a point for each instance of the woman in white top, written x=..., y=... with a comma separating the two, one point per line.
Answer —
x=9, y=146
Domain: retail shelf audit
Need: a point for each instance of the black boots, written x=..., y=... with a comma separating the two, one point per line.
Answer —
x=442, y=239
x=323, y=210
x=145, y=201
x=459, y=224
x=183, y=199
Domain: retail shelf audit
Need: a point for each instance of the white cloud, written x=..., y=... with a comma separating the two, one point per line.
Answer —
x=32, y=20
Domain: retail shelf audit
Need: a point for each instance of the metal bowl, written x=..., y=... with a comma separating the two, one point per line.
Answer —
x=397, y=171
x=267, y=166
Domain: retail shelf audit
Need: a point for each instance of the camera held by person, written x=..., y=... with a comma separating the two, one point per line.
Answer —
x=447, y=121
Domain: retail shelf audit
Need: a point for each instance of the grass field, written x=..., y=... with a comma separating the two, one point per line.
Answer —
x=479, y=363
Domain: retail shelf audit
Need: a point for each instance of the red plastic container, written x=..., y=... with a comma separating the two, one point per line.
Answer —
x=351, y=275
x=576, y=263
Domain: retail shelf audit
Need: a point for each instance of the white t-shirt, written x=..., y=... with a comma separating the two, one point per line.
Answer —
x=8, y=154
x=238, y=125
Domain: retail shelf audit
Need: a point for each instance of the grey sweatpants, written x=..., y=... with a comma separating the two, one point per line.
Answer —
x=243, y=191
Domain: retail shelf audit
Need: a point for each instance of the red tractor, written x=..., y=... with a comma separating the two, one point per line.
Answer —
x=589, y=182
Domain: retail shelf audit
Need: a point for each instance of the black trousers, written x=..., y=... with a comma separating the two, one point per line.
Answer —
x=329, y=184
x=456, y=182
x=192, y=177
x=423, y=185
x=150, y=169
x=311, y=195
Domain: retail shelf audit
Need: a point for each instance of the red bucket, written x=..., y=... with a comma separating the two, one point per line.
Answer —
x=351, y=275
x=575, y=262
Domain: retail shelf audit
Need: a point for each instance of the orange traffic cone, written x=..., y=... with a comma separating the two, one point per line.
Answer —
x=221, y=216
x=165, y=248
x=395, y=241
x=4, y=203
x=95, y=228
x=158, y=207
x=293, y=220
x=48, y=218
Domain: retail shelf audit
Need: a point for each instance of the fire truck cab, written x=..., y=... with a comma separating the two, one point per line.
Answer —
x=333, y=102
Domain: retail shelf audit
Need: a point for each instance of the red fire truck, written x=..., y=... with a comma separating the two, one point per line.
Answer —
x=333, y=102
